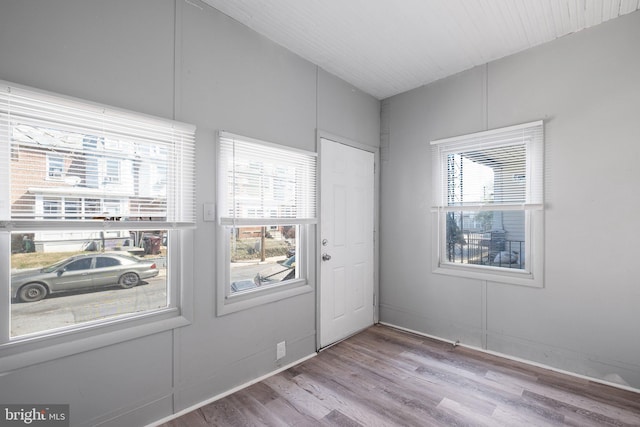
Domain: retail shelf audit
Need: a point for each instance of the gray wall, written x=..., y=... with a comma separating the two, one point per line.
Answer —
x=586, y=319
x=181, y=60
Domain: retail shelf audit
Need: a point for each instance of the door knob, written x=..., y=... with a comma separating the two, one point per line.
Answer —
x=326, y=257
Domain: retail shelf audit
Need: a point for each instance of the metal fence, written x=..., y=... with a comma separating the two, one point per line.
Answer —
x=487, y=249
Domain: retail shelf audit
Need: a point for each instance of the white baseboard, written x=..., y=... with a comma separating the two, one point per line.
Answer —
x=516, y=359
x=228, y=392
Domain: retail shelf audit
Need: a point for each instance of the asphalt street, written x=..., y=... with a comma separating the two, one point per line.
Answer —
x=67, y=309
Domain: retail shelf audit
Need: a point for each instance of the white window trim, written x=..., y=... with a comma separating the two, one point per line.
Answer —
x=533, y=275
x=49, y=345
x=25, y=350
x=226, y=302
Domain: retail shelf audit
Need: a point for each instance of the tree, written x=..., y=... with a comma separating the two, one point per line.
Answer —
x=454, y=235
x=486, y=220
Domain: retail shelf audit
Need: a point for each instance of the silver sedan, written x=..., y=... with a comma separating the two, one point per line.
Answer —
x=81, y=272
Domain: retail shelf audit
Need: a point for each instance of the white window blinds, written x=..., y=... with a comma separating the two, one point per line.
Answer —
x=91, y=162
x=265, y=184
x=486, y=170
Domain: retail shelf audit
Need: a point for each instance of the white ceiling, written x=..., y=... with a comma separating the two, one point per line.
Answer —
x=386, y=47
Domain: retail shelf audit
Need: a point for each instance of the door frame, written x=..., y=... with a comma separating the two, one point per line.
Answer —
x=320, y=134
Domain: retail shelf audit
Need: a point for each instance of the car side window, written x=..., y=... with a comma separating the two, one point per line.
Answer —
x=81, y=264
x=102, y=262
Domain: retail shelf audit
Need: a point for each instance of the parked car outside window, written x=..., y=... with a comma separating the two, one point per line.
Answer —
x=87, y=271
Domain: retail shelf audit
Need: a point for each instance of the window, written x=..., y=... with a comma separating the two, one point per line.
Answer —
x=82, y=264
x=266, y=206
x=51, y=208
x=103, y=262
x=55, y=166
x=98, y=204
x=488, y=204
x=72, y=208
x=112, y=170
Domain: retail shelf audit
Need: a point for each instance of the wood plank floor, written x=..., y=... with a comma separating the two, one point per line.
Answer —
x=386, y=377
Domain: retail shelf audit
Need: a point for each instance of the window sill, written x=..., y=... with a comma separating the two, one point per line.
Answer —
x=520, y=278
x=239, y=302
x=24, y=352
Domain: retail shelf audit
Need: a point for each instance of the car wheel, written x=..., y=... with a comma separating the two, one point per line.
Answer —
x=128, y=280
x=32, y=292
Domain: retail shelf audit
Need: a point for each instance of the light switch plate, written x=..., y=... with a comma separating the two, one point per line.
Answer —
x=209, y=211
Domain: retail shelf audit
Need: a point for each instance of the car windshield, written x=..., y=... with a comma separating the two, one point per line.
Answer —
x=55, y=266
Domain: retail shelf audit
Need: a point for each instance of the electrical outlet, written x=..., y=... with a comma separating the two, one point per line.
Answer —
x=281, y=350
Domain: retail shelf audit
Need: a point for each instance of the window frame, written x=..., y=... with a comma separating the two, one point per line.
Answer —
x=24, y=350
x=228, y=302
x=533, y=207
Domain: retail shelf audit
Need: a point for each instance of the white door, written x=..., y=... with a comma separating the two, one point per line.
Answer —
x=347, y=233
